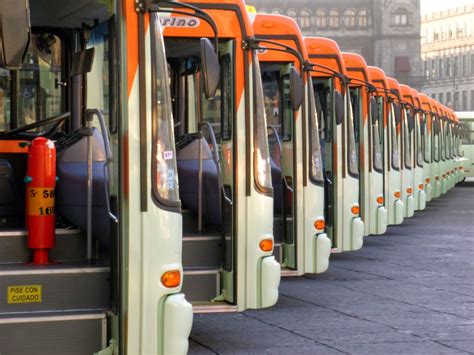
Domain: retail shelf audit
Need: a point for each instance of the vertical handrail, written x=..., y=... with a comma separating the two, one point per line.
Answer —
x=200, y=183
x=89, y=118
x=216, y=159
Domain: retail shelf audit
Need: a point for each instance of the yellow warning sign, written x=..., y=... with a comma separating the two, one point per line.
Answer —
x=24, y=294
x=40, y=201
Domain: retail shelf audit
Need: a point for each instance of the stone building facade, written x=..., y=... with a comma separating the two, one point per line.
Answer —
x=385, y=32
x=447, y=47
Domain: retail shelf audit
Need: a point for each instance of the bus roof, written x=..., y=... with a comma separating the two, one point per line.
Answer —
x=282, y=29
x=379, y=80
x=326, y=52
x=417, y=99
x=356, y=67
x=425, y=102
x=407, y=95
x=230, y=16
x=394, y=88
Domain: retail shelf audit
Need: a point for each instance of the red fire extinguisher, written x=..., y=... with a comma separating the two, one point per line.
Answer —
x=40, y=184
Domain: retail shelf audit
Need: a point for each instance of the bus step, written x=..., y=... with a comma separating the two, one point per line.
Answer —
x=201, y=284
x=278, y=252
x=53, y=287
x=58, y=333
x=70, y=246
x=202, y=250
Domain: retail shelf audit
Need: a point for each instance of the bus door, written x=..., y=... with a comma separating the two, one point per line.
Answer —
x=281, y=140
x=355, y=99
x=397, y=205
x=205, y=151
x=325, y=106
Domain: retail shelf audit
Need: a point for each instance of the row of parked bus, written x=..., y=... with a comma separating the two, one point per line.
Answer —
x=202, y=151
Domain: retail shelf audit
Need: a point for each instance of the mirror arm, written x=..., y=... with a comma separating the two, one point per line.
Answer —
x=168, y=7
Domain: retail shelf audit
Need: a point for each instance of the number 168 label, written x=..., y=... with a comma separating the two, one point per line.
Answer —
x=40, y=201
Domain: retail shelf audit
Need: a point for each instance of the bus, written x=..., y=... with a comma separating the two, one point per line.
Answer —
x=427, y=141
x=88, y=159
x=369, y=144
x=223, y=158
x=406, y=173
x=419, y=194
x=344, y=224
x=388, y=111
x=466, y=121
x=301, y=245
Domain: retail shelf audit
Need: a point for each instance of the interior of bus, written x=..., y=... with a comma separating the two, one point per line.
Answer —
x=204, y=129
x=63, y=93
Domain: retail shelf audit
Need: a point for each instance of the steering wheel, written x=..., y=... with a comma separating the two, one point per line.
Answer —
x=57, y=121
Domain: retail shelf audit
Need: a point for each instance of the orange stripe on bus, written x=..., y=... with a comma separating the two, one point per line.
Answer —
x=12, y=147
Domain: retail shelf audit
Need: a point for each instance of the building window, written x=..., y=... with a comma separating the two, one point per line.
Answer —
x=433, y=68
x=448, y=99
x=433, y=96
x=364, y=19
x=426, y=71
x=305, y=19
x=472, y=64
x=464, y=68
x=277, y=11
x=320, y=18
x=455, y=106
x=472, y=100
x=440, y=68
x=334, y=18
x=350, y=18
x=456, y=66
x=441, y=97
x=448, y=67
x=292, y=13
x=400, y=17
x=464, y=100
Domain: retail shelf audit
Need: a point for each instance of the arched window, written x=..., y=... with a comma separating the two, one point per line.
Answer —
x=364, y=18
x=277, y=11
x=305, y=19
x=333, y=18
x=400, y=17
x=292, y=13
x=321, y=18
x=350, y=18
x=263, y=11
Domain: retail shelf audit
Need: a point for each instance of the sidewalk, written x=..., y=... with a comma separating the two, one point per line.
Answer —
x=410, y=291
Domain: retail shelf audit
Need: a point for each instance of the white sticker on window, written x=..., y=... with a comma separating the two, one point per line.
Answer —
x=170, y=179
x=168, y=154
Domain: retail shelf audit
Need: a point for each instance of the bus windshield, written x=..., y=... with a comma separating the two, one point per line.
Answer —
x=394, y=138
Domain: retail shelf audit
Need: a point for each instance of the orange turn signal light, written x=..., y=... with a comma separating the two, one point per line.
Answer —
x=427, y=180
x=436, y=178
x=319, y=224
x=461, y=167
x=421, y=186
x=380, y=200
x=397, y=194
x=266, y=245
x=355, y=210
x=409, y=191
x=171, y=278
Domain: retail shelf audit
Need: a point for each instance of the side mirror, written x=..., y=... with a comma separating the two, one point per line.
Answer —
x=297, y=89
x=396, y=109
x=14, y=33
x=374, y=110
x=338, y=107
x=210, y=68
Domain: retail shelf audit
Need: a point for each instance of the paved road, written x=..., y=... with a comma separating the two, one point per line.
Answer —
x=408, y=292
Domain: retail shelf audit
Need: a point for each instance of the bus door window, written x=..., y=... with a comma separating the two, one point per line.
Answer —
x=277, y=98
x=352, y=132
x=395, y=154
x=377, y=142
x=407, y=142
